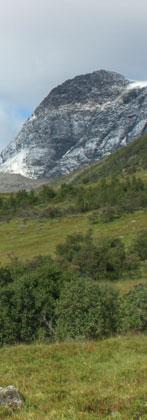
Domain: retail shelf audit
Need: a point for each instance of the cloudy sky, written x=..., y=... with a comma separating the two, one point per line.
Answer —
x=44, y=42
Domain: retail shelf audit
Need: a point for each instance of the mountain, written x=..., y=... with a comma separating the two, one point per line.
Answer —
x=79, y=122
x=129, y=160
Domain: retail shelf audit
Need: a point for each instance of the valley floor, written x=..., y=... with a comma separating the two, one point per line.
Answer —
x=78, y=380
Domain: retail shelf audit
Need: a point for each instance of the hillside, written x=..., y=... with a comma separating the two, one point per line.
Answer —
x=35, y=223
x=73, y=292
x=80, y=121
x=128, y=160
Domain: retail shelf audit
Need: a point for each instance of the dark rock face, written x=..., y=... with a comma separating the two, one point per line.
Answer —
x=11, y=397
x=80, y=121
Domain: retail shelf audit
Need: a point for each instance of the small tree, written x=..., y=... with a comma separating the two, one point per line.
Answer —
x=134, y=309
x=88, y=310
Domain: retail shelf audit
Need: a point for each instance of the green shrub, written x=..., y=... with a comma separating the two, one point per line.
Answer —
x=46, y=193
x=140, y=245
x=5, y=276
x=27, y=306
x=86, y=309
x=134, y=309
x=102, y=260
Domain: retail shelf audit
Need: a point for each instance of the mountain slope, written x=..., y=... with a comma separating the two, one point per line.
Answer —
x=127, y=160
x=80, y=121
x=14, y=182
x=39, y=221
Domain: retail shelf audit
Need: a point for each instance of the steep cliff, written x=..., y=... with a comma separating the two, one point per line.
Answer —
x=80, y=121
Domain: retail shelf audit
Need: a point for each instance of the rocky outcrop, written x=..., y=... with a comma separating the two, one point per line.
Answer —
x=80, y=121
x=11, y=397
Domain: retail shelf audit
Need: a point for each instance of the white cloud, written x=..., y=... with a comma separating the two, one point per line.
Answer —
x=44, y=42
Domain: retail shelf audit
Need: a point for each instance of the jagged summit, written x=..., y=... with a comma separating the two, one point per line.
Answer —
x=82, y=88
x=80, y=121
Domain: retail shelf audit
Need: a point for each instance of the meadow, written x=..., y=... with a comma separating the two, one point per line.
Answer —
x=27, y=239
x=78, y=380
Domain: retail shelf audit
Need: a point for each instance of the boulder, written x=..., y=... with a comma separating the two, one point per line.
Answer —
x=11, y=397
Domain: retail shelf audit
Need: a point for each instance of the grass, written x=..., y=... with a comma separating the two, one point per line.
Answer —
x=126, y=285
x=26, y=240
x=128, y=160
x=78, y=380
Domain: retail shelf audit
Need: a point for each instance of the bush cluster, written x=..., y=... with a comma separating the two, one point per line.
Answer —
x=107, y=259
x=73, y=295
x=113, y=197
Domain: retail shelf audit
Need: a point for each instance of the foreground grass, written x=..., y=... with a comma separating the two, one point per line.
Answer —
x=73, y=381
x=27, y=239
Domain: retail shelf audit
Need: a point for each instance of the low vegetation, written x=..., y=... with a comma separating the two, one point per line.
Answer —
x=128, y=160
x=89, y=380
x=73, y=295
x=73, y=271
x=109, y=198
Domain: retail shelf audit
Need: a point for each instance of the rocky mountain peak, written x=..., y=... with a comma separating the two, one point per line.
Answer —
x=91, y=86
x=80, y=121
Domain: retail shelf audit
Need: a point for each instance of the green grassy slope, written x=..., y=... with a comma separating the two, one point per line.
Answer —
x=73, y=381
x=26, y=234
x=128, y=160
x=32, y=234
x=28, y=239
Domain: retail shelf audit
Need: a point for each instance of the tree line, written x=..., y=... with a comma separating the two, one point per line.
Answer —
x=108, y=200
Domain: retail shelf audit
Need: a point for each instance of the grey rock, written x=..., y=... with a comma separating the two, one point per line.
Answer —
x=14, y=183
x=80, y=121
x=11, y=397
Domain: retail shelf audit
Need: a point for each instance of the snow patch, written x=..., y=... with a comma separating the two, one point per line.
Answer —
x=137, y=85
x=138, y=129
x=16, y=164
x=32, y=118
x=124, y=141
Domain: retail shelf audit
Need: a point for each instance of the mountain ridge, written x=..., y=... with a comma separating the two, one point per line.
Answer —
x=80, y=121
